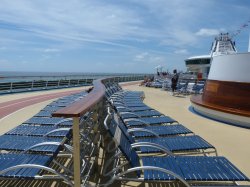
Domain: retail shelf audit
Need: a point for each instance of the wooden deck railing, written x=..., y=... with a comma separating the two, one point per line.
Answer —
x=92, y=105
x=92, y=108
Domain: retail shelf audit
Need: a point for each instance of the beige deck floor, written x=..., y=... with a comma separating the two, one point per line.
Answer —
x=230, y=141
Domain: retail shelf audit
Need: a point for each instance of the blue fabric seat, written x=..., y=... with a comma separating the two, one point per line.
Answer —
x=149, y=121
x=194, y=168
x=49, y=121
x=166, y=130
x=23, y=143
x=129, y=104
x=43, y=114
x=132, y=109
x=177, y=144
x=9, y=160
x=187, y=169
x=29, y=130
x=51, y=108
x=28, y=167
x=116, y=104
x=128, y=99
x=138, y=114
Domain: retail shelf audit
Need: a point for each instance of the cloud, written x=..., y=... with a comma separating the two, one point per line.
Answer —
x=97, y=30
x=142, y=56
x=181, y=51
x=149, y=58
x=209, y=32
x=102, y=23
x=51, y=50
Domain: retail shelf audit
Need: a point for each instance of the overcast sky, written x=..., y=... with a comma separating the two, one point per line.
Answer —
x=123, y=36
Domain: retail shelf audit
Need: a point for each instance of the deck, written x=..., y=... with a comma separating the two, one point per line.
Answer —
x=228, y=140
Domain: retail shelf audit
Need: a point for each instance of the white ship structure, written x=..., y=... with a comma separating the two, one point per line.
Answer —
x=226, y=94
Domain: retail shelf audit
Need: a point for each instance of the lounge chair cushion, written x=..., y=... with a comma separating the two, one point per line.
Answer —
x=49, y=121
x=29, y=130
x=178, y=143
x=165, y=130
x=150, y=121
x=197, y=168
x=9, y=160
x=148, y=113
x=22, y=143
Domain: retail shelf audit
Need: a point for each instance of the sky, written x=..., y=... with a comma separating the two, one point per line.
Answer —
x=114, y=36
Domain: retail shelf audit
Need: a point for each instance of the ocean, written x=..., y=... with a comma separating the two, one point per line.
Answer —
x=12, y=76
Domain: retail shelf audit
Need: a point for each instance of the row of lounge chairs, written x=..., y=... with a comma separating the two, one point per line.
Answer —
x=190, y=88
x=40, y=148
x=152, y=147
x=185, y=87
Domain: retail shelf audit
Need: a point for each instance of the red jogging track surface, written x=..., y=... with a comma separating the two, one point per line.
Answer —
x=9, y=107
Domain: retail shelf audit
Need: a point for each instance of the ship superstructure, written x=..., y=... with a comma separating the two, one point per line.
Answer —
x=226, y=93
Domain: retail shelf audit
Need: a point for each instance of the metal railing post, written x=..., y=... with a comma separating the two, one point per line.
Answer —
x=11, y=86
x=76, y=153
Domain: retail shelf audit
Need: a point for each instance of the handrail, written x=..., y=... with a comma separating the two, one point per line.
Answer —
x=80, y=107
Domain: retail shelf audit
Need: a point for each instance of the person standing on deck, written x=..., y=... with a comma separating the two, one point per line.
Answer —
x=174, y=81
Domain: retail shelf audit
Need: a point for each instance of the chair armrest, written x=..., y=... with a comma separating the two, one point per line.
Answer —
x=143, y=130
x=135, y=119
x=130, y=113
x=57, y=130
x=151, y=168
x=152, y=145
x=43, y=144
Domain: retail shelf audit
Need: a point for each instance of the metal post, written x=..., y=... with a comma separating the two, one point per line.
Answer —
x=76, y=154
x=11, y=86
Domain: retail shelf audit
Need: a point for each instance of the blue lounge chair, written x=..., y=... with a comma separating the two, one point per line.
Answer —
x=128, y=104
x=128, y=95
x=49, y=121
x=126, y=101
x=192, y=144
x=43, y=114
x=132, y=122
x=132, y=109
x=28, y=167
x=152, y=131
x=139, y=114
x=29, y=143
x=184, y=169
x=51, y=109
x=48, y=131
